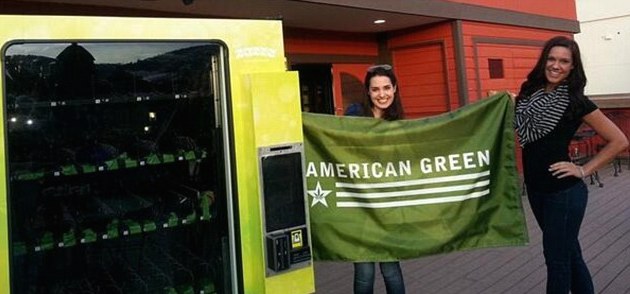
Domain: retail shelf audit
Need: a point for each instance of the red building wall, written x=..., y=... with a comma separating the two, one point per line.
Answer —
x=517, y=47
x=329, y=43
x=556, y=8
x=425, y=65
x=424, y=60
x=327, y=47
x=348, y=84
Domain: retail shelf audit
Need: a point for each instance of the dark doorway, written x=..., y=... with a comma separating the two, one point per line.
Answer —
x=316, y=87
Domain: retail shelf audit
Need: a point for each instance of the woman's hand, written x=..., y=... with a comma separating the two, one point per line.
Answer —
x=563, y=169
x=615, y=140
x=510, y=93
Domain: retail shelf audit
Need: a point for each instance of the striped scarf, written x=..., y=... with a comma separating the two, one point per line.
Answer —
x=538, y=114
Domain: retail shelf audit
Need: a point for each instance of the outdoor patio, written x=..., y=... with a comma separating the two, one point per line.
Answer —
x=605, y=239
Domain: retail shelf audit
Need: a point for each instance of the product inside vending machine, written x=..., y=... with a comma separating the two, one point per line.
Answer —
x=115, y=158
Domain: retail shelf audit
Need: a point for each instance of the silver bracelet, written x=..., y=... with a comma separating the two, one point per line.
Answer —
x=581, y=171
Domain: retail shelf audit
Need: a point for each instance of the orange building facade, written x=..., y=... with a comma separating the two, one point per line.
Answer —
x=440, y=66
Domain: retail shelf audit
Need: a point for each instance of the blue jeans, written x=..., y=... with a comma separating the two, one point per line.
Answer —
x=559, y=215
x=364, y=277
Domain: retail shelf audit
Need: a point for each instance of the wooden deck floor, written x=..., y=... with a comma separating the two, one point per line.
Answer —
x=605, y=239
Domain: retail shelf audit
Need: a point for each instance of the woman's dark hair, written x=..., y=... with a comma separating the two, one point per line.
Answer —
x=395, y=110
x=576, y=80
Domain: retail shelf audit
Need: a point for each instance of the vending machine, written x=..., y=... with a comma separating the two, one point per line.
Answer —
x=150, y=155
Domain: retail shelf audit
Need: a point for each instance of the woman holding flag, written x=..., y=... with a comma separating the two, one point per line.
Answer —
x=382, y=102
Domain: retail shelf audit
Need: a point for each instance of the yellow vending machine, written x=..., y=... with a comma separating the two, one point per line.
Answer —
x=150, y=155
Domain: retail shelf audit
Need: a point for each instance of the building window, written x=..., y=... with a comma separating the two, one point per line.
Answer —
x=495, y=66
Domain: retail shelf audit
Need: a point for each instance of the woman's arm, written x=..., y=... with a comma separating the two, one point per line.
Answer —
x=615, y=139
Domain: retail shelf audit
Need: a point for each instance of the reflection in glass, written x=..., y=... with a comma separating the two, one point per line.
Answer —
x=115, y=182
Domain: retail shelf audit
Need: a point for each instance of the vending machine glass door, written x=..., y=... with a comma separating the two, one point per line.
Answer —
x=115, y=167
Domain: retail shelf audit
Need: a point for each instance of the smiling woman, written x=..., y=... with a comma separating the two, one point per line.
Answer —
x=550, y=108
x=382, y=101
x=559, y=65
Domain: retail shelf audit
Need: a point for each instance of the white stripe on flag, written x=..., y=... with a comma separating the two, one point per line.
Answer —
x=413, y=182
x=415, y=192
x=414, y=202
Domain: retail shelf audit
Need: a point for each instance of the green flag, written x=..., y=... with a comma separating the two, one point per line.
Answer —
x=381, y=190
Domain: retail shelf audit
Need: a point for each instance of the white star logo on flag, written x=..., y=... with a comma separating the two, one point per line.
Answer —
x=319, y=195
